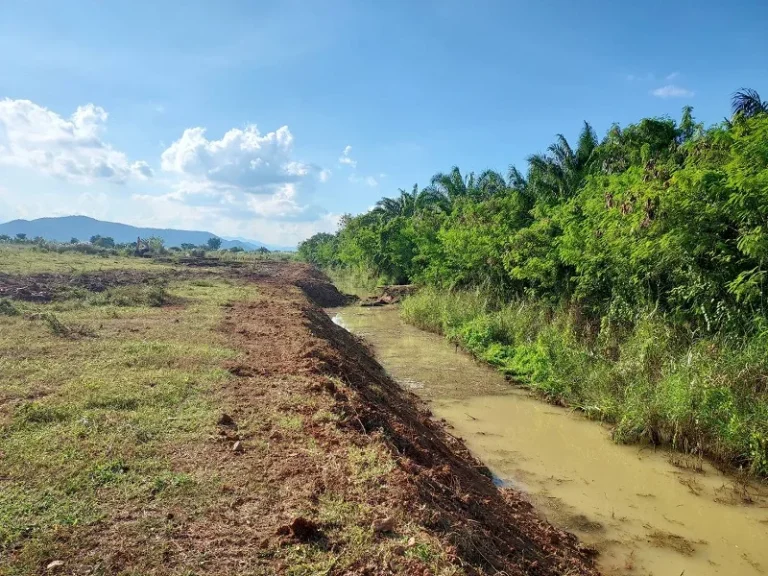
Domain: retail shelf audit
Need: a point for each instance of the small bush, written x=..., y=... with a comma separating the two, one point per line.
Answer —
x=7, y=309
x=134, y=296
x=58, y=328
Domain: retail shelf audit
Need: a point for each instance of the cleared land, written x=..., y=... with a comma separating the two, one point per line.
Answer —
x=174, y=418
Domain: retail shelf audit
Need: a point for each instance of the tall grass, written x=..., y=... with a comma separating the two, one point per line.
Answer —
x=653, y=381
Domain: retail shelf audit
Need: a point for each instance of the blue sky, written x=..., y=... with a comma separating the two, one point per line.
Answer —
x=268, y=120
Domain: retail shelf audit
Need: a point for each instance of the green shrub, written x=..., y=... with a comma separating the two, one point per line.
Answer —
x=153, y=295
x=7, y=308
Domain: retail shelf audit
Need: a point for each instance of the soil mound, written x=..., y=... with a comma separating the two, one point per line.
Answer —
x=449, y=491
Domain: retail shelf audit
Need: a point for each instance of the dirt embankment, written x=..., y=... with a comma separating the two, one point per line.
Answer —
x=435, y=489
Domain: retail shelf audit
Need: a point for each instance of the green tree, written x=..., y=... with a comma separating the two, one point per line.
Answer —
x=213, y=243
x=746, y=102
x=103, y=241
x=559, y=174
x=21, y=237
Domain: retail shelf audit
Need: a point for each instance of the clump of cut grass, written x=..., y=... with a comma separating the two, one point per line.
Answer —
x=7, y=308
x=58, y=328
x=153, y=295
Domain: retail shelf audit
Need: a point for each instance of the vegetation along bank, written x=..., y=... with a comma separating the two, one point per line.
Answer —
x=624, y=276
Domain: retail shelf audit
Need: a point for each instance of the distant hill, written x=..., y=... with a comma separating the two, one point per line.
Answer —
x=63, y=228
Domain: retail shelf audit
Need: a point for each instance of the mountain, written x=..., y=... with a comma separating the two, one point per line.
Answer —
x=274, y=247
x=62, y=229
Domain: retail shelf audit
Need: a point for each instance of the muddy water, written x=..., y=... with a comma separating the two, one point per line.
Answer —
x=648, y=512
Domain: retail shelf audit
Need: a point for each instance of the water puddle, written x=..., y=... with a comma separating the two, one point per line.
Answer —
x=648, y=512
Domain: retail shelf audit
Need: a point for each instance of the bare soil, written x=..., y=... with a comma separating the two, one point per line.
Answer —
x=437, y=484
x=47, y=287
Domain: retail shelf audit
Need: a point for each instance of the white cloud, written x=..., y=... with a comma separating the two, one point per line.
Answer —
x=672, y=91
x=245, y=175
x=282, y=204
x=242, y=158
x=32, y=136
x=244, y=184
x=366, y=180
x=142, y=170
x=672, y=76
x=346, y=159
x=255, y=222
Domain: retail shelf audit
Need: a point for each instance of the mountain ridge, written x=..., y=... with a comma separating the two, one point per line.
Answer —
x=63, y=228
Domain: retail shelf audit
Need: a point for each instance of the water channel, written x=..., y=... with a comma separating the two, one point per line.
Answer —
x=648, y=512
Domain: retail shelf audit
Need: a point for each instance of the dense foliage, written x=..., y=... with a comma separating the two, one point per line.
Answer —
x=648, y=246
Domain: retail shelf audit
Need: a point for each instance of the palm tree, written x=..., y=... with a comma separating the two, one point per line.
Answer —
x=409, y=203
x=516, y=180
x=452, y=185
x=559, y=173
x=746, y=102
x=489, y=183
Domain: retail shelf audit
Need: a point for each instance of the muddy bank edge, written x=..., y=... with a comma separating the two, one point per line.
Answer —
x=357, y=474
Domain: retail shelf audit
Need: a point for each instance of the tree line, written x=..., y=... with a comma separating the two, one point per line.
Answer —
x=665, y=214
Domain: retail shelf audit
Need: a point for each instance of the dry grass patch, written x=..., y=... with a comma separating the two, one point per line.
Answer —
x=88, y=426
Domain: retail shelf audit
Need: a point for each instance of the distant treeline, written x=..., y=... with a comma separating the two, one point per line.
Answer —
x=97, y=244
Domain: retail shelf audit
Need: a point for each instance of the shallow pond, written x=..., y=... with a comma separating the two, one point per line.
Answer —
x=647, y=511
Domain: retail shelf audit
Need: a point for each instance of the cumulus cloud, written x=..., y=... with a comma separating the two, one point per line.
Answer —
x=242, y=158
x=365, y=180
x=32, y=136
x=245, y=183
x=672, y=91
x=257, y=222
x=245, y=175
x=142, y=170
x=345, y=157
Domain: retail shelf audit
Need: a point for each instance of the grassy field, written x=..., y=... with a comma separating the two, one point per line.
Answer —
x=97, y=391
x=26, y=259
